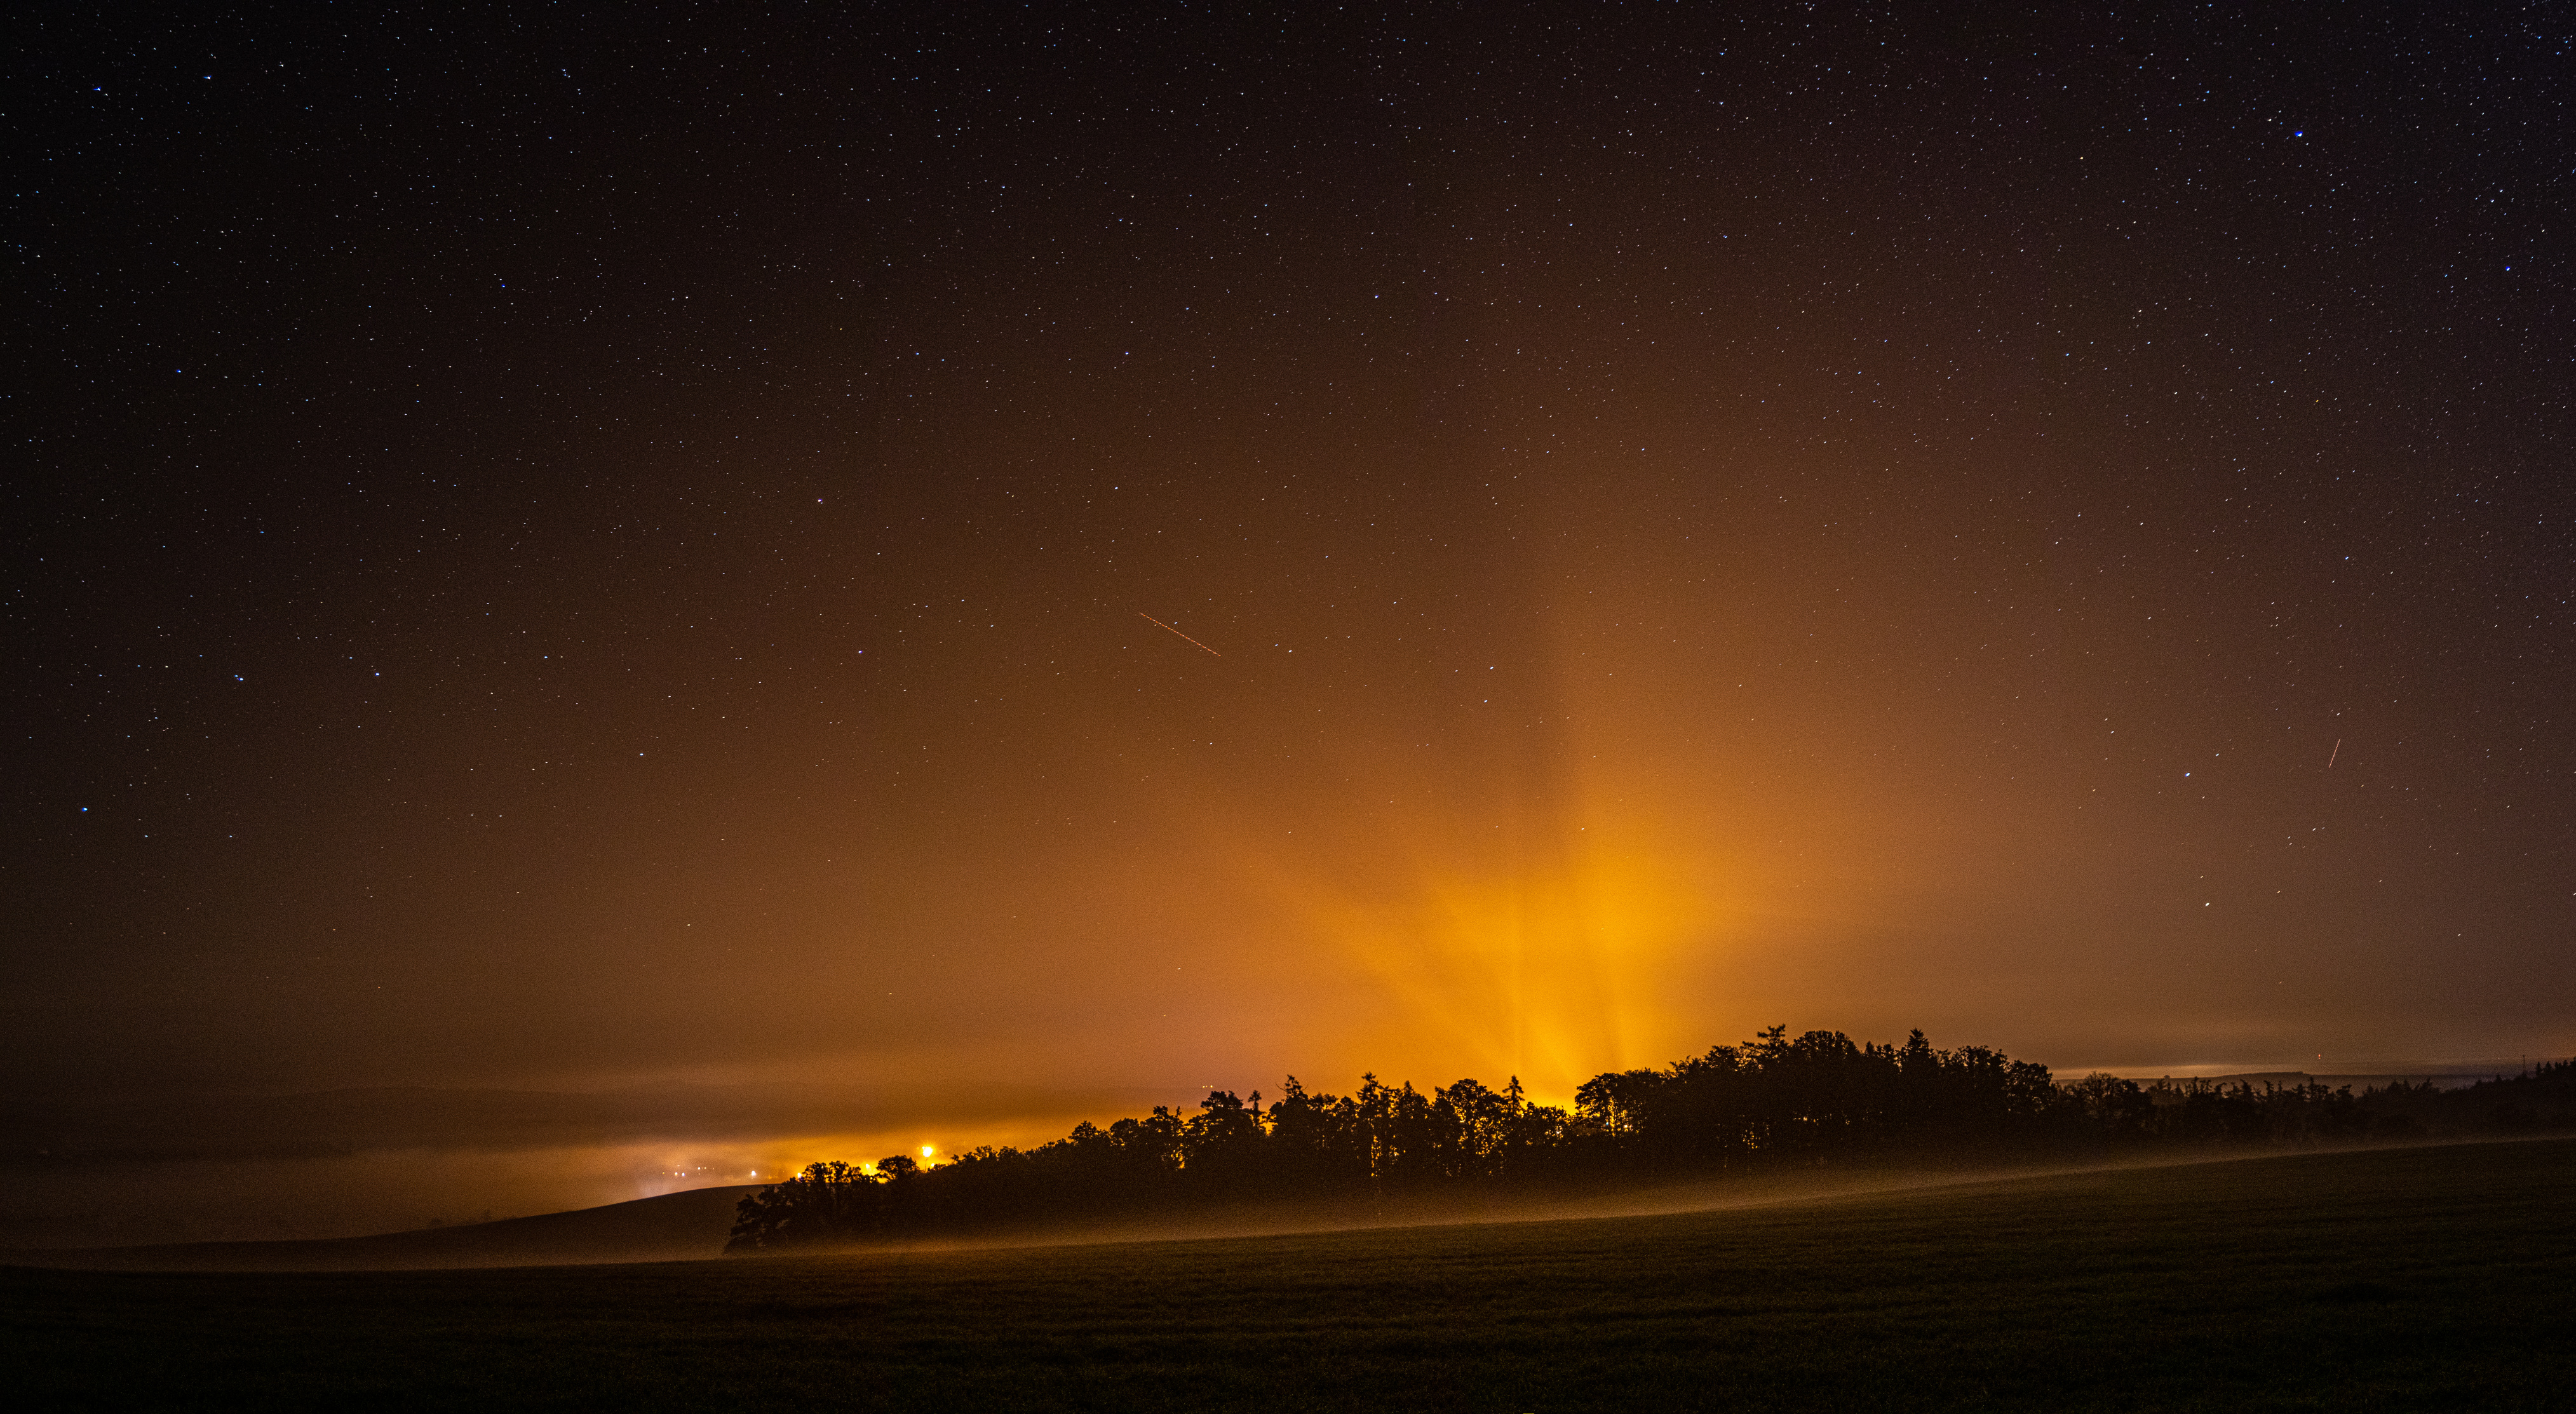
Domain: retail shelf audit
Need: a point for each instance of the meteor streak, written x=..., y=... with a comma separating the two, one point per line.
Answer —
x=1158, y=623
x=2331, y=755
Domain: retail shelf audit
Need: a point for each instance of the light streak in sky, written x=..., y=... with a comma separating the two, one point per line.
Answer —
x=2331, y=755
x=1158, y=623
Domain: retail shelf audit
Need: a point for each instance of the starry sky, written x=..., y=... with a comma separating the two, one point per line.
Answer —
x=1086, y=551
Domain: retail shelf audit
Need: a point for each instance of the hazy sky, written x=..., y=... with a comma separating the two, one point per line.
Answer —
x=592, y=550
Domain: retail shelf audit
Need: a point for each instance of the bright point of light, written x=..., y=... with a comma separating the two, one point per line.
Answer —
x=925, y=1151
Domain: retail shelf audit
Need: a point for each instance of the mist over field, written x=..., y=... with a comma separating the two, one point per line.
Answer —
x=2416, y=1279
x=347, y=1163
x=342, y=1163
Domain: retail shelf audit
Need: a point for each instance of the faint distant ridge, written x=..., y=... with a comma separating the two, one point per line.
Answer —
x=1772, y=1105
x=672, y=1227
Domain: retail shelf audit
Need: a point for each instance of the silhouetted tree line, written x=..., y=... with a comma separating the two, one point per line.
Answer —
x=1773, y=1102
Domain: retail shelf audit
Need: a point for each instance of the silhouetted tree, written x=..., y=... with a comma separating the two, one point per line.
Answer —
x=825, y=1204
x=1818, y=1098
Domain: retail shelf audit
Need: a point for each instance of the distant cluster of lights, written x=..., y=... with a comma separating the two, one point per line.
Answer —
x=926, y=1151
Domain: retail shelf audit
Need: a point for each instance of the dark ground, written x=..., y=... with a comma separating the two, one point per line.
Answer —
x=2397, y=1279
x=673, y=1227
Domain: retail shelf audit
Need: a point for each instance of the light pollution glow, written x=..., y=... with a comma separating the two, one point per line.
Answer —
x=1874, y=535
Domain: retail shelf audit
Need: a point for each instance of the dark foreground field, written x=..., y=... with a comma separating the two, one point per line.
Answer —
x=2405, y=1279
x=673, y=1227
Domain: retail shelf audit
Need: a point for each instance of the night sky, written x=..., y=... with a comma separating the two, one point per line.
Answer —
x=572, y=550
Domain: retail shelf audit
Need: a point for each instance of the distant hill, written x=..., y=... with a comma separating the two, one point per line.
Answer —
x=673, y=1227
x=2440, y=1077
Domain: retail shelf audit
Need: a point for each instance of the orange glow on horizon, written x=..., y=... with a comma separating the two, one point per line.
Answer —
x=1553, y=971
x=1537, y=908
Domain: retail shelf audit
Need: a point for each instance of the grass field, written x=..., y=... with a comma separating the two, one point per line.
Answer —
x=2398, y=1279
